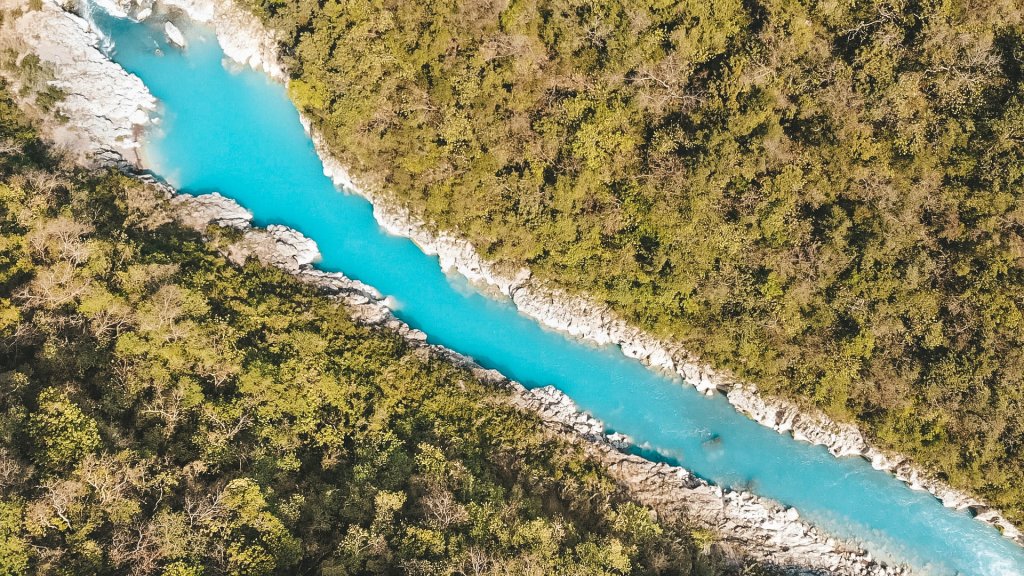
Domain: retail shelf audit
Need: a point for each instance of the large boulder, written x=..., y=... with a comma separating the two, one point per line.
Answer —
x=174, y=35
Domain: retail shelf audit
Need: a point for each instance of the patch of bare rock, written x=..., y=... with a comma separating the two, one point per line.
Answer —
x=106, y=107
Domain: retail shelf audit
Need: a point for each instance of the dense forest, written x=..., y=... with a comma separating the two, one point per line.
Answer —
x=165, y=412
x=821, y=196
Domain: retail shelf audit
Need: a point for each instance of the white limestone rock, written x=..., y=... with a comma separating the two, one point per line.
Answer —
x=116, y=8
x=199, y=211
x=553, y=404
x=290, y=249
x=104, y=105
x=137, y=10
x=174, y=35
x=240, y=33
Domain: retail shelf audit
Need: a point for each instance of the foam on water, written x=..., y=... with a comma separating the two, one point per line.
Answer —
x=238, y=134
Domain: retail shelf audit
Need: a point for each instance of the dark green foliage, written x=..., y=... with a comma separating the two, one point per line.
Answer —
x=163, y=412
x=62, y=435
x=821, y=196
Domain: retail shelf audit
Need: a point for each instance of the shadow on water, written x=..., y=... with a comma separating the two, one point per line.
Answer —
x=653, y=455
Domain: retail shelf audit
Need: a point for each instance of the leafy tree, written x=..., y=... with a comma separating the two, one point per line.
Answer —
x=62, y=433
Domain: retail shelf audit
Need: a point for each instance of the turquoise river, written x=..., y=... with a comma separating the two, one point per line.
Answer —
x=237, y=133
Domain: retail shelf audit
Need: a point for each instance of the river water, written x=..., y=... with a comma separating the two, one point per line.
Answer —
x=235, y=132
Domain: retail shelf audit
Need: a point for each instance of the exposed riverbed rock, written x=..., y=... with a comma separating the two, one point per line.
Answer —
x=199, y=211
x=105, y=105
x=137, y=10
x=241, y=34
x=276, y=245
x=555, y=406
x=174, y=35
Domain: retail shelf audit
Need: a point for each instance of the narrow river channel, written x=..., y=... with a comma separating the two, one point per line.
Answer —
x=237, y=133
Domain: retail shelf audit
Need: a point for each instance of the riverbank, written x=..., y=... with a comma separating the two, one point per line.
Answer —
x=299, y=250
x=249, y=43
x=750, y=526
x=98, y=131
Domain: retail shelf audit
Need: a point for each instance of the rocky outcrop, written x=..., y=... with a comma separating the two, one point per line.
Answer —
x=174, y=35
x=276, y=245
x=199, y=211
x=107, y=106
x=555, y=406
x=112, y=7
x=241, y=34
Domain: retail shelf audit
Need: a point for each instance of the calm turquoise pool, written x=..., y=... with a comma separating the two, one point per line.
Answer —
x=237, y=133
